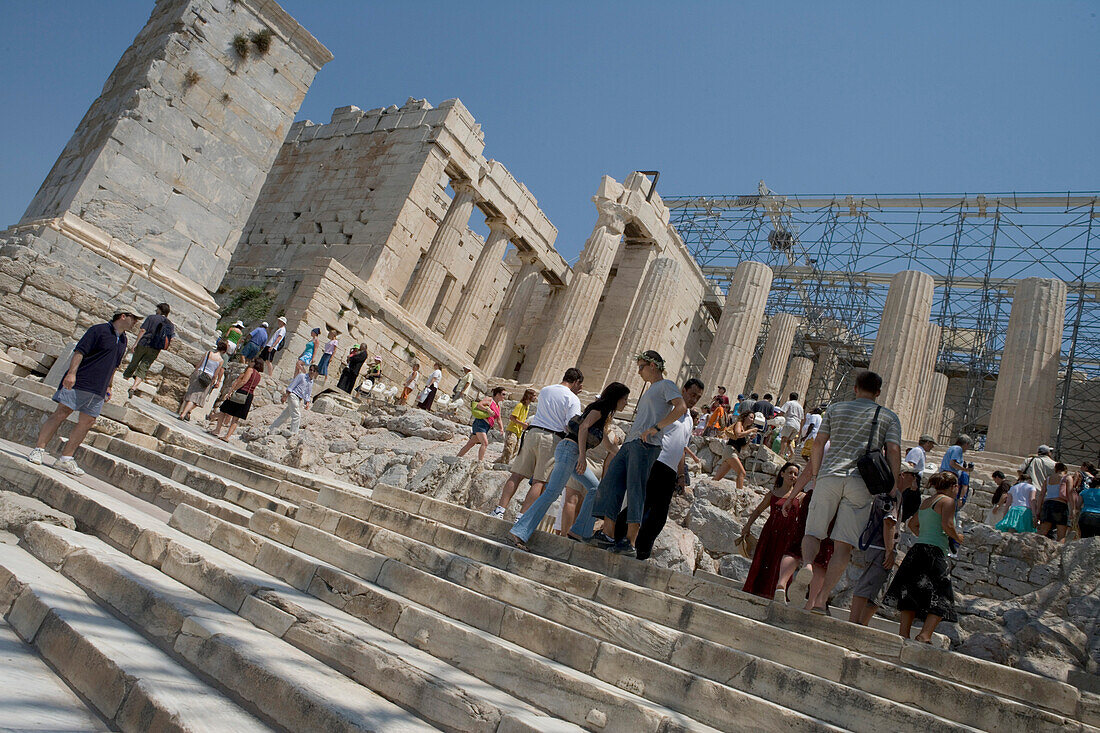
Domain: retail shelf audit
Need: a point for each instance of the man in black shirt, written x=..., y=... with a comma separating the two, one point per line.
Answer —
x=84, y=387
x=155, y=335
x=1003, y=485
x=767, y=409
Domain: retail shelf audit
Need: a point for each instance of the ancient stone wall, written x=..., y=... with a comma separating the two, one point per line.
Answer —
x=169, y=160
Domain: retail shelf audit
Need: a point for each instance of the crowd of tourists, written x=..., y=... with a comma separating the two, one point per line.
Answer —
x=854, y=490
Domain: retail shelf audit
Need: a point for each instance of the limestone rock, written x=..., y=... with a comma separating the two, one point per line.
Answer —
x=676, y=548
x=735, y=567
x=17, y=511
x=716, y=529
x=721, y=494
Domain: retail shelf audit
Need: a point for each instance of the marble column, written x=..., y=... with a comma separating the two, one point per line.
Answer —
x=933, y=414
x=1023, y=403
x=730, y=354
x=513, y=313
x=900, y=345
x=927, y=368
x=572, y=318
x=777, y=350
x=445, y=244
x=823, y=379
x=648, y=324
x=797, y=380
x=461, y=327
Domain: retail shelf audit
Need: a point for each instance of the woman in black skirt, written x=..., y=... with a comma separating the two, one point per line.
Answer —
x=922, y=587
x=235, y=407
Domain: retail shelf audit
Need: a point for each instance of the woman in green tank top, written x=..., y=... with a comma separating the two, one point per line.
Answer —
x=922, y=586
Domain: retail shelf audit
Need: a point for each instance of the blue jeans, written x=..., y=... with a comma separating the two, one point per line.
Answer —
x=565, y=467
x=626, y=475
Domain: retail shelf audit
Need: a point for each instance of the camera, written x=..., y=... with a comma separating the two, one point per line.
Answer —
x=969, y=466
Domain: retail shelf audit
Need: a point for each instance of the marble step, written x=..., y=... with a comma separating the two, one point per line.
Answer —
x=876, y=662
x=207, y=482
x=476, y=637
x=453, y=584
x=33, y=697
x=155, y=488
x=128, y=680
x=230, y=583
x=288, y=686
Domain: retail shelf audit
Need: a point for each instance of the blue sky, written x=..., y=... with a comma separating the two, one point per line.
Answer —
x=811, y=97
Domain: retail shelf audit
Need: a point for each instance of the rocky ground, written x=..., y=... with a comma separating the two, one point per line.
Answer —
x=1023, y=600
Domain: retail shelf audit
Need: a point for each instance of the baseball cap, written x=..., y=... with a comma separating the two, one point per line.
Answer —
x=239, y=324
x=926, y=438
x=264, y=324
x=1044, y=450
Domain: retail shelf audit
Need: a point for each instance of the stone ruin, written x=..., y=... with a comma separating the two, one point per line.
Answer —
x=347, y=578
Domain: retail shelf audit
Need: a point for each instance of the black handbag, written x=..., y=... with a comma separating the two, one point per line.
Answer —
x=873, y=467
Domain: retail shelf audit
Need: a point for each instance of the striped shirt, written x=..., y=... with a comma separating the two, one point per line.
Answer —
x=848, y=425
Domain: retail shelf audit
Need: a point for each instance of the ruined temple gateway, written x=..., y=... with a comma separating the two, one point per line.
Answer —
x=186, y=180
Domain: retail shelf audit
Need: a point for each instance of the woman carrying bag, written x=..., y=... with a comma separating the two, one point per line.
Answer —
x=208, y=373
x=486, y=414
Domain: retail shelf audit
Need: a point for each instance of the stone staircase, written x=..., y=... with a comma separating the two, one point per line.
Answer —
x=209, y=589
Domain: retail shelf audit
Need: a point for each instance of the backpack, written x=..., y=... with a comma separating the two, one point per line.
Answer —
x=158, y=340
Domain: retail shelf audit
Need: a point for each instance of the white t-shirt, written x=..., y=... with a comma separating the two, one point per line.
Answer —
x=556, y=405
x=1021, y=495
x=652, y=407
x=813, y=422
x=674, y=441
x=916, y=457
x=794, y=413
x=435, y=377
x=277, y=338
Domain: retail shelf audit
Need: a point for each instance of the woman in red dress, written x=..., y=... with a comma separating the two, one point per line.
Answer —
x=777, y=535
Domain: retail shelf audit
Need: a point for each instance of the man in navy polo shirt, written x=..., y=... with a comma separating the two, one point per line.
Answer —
x=84, y=387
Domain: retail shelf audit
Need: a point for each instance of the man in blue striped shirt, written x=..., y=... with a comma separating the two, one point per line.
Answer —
x=298, y=393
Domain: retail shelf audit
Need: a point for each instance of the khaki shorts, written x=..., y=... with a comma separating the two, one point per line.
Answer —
x=848, y=499
x=536, y=456
x=511, y=442
x=790, y=431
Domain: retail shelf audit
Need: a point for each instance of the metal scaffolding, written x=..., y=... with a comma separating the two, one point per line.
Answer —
x=833, y=257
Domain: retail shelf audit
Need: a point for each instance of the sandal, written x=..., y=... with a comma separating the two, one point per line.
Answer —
x=517, y=543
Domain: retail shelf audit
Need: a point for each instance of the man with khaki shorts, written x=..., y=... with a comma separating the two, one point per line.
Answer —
x=557, y=403
x=839, y=490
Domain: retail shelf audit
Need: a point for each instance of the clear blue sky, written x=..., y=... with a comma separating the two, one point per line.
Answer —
x=812, y=97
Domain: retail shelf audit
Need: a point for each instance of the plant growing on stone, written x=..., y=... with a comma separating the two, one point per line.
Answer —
x=191, y=78
x=262, y=41
x=226, y=99
x=240, y=45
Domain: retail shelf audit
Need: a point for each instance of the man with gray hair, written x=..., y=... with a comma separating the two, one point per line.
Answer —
x=1038, y=467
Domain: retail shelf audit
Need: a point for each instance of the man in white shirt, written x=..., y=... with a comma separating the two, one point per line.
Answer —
x=275, y=341
x=912, y=466
x=555, y=405
x=793, y=414
x=300, y=392
x=1038, y=468
x=661, y=484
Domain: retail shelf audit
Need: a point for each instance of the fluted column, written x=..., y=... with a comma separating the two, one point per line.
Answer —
x=445, y=244
x=576, y=307
x=1023, y=403
x=926, y=368
x=730, y=354
x=648, y=323
x=797, y=380
x=477, y=287
x=900, y=345
x=823, y=379
x=513, y=313
x=933, y=412
x=777, y=349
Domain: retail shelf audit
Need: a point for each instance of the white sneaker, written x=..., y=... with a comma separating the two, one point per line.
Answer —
x=36, y=456
x=498, y=512
x=68, y=465
x=519, y=516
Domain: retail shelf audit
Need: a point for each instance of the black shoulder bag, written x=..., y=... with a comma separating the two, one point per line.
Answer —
x=873, y=467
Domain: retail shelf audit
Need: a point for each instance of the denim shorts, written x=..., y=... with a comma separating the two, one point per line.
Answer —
x=86, y=403
x=481, y=426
